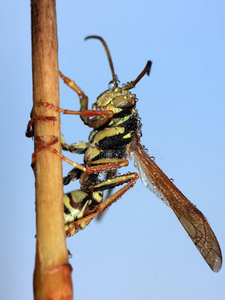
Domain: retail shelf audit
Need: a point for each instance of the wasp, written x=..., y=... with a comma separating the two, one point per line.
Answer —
x=114, y=139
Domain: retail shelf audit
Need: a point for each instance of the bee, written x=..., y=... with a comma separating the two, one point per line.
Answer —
x=115, y=138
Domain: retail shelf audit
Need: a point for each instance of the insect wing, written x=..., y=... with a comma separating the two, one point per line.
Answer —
x=193, y=221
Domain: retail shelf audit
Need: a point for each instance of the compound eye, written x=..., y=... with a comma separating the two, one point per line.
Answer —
x=124, y=101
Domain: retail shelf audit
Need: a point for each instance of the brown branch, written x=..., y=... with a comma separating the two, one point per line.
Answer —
x=52, y=275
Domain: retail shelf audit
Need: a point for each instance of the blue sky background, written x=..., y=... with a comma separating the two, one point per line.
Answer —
x=139, y=251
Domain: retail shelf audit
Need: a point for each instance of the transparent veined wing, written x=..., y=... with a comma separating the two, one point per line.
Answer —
x=193, y=221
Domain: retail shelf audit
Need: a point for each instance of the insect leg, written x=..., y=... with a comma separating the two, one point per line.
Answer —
x=107, y=164
x=102, y=165
x=91, y=212
x=74, y=174
x=47, y=145
x=30, y=130
x=42, y=145
x=83, y=98
x=84, y=113
x=78, y=148
x=102, y=117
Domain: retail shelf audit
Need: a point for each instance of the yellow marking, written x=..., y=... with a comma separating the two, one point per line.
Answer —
x=127, y=136
x=90, y=153
x=108, y=132
x=124, y=119
x=97, y=196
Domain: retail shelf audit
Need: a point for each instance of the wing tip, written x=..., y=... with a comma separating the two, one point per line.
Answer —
x=216, y=265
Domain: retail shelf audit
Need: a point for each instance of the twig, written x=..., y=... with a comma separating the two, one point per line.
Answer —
x=52, y=275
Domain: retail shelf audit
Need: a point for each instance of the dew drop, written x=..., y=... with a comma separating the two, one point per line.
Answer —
x=111, y=85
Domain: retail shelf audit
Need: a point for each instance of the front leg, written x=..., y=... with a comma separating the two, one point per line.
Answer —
x=30, y=126
x=100, y=118
x=83, y=98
